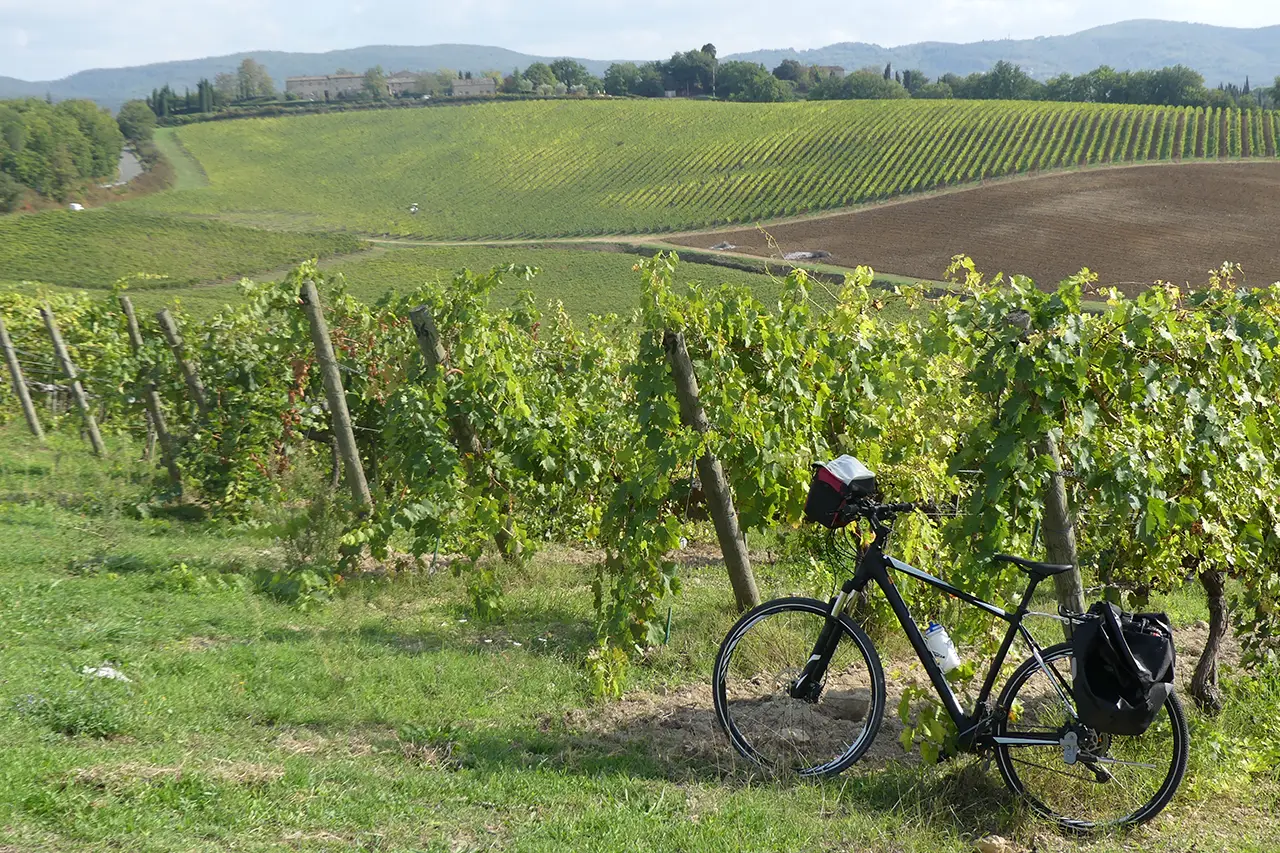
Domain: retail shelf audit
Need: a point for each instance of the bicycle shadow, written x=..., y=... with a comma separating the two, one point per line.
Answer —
x=677, y=738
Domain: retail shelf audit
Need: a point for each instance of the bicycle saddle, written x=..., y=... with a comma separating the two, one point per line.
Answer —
x=1044, y=570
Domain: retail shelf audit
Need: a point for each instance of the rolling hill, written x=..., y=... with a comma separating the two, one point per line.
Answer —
x=579, y=168
x=1221, y=54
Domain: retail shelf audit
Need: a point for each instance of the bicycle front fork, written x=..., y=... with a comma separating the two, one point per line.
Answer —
x=808, y=686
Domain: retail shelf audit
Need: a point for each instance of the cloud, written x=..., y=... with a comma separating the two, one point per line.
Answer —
x=51, y=40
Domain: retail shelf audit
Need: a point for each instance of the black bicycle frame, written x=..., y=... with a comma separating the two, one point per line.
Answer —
x=875, y=566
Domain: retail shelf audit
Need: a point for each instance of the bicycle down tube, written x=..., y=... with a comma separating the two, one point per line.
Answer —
x=875, y=566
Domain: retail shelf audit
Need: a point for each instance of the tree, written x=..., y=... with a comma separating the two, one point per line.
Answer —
x=570, y=73
x=934, y=91
x=540, y=74
x=1008, y=82
x=790, y=69
x=649, y=82
x=913, y=80
x=621, y=78
x=691, y=71
x=252, y=80
x=136, y=121
x=10, y=193
x=860, y=85
x=375, y=82
x=226, y=88
x=750, y=81
x=205, y=93
x=888, y=71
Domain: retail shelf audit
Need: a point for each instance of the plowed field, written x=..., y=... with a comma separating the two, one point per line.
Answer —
x=1130, y=225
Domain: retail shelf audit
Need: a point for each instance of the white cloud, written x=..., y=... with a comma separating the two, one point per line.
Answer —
x=50, y=40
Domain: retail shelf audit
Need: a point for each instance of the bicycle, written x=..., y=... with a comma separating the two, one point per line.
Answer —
x=799, y=687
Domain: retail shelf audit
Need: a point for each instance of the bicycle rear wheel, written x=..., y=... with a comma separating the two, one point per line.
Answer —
x=1115, y=780
x=761, y=658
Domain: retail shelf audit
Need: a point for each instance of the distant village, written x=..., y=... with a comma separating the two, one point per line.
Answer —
x=343, y=85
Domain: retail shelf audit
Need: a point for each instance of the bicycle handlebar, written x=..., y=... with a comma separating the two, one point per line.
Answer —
x=876, y=511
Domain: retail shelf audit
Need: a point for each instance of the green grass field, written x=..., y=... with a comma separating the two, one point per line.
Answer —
x=94, y=248
x=556, y=168
x=187, y=173
x=393, y=720
x=587, y=282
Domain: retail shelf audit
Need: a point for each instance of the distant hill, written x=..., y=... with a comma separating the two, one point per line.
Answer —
x=1221, y=54
x=113, y=86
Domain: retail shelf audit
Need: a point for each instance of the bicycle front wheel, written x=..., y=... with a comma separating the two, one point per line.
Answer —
x=760, y=660
x=1112, y=780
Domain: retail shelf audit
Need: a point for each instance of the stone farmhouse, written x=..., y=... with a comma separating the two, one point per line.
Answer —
x=463, y=88
x=330, y=87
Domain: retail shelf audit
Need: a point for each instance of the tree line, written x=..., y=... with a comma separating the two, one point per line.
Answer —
x=50, y=149
x=699, y=73
x=1176, y=86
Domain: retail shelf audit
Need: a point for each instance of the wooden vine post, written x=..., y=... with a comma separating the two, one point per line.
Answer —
x=189, y=373
x=339, y=416
x=151, y=399
x=464, y=432
x=1060, y=534
x=20, y=383
x=1059, y=529
x=77, y=390
x=714, y=483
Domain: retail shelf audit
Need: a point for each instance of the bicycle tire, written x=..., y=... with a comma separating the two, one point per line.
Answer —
x=1173, y=724
x=847, y=686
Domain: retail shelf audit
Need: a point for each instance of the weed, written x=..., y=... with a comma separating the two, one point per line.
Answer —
x=96, y=709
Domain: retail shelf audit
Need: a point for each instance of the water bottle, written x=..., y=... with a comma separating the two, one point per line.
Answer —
x=940, y=645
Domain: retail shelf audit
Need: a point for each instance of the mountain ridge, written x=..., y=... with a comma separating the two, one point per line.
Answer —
x=1221, y=54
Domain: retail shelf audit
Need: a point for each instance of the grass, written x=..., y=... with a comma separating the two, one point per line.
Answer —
x=384, y=721
x=573, y=168
x=94, y=248
x=587, y=282
x=187, y=172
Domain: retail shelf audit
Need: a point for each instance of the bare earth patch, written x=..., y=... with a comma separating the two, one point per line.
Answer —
x=1130, y=225
x=680, y=726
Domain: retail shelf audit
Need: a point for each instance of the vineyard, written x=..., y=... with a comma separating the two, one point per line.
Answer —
x=577, y=168
x=539, y=428
x=483, y=430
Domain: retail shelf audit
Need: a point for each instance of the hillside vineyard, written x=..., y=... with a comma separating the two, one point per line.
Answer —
x=576, y=168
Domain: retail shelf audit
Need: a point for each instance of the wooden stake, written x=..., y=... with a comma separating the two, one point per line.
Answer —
x=1060, y=534
x=464, y=432
x=77, y=390
x=714, y=483
x=339, y=416
x=189, y=374
x=150, y=398
x=20, y=383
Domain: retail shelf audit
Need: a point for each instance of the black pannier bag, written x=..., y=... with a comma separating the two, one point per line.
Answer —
x=1122, y=668
x=834, y=485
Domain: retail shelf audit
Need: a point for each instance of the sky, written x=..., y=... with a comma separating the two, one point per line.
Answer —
x=49, y=40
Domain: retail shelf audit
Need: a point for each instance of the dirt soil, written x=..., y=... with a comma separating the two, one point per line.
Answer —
x=680, y=726
x=1131, y=225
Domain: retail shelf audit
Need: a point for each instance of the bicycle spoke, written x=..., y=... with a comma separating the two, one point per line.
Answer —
x=770, y=726
x=1115, y=780
x=1057, y=770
